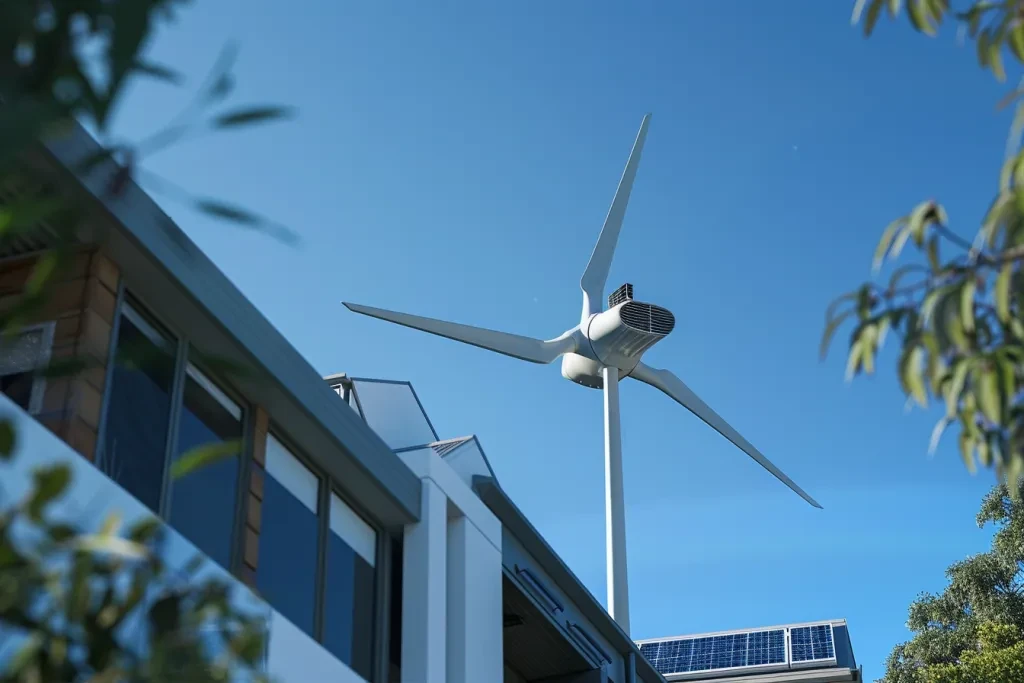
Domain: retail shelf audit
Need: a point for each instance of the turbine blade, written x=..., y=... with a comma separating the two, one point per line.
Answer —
x=595, y=276
x=674, y=387
x=524, y=348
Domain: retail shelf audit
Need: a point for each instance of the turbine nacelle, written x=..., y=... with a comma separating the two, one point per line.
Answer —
x=616, y=338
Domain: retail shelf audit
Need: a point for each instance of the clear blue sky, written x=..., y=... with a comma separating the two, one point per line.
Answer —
x=457, y=159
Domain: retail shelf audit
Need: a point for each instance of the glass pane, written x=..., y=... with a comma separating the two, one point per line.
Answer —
x=138, y=410
x=286, y=572
x=203, y=502
x=391, y=410
x=349, y=589
x=18, y=388
x=22, y=353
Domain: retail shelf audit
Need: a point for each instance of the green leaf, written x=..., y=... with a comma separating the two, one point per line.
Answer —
x=918, y=13
x=204, y=455
x=995, y=58
x=989, y=399
x=937, y=432
x=251, y=116
x=61, y=533
x=966, y=452
x=956, y=386
x=144, y=530
x=870, y=340
x=158, y=71
x=8, y=438
x=874, y=9
x=109, y=545
x=830, y=330
x=982, y=45
x=933, y=255
x=894, y=7
x=1017, y=41
x=886, y=242
x=911, y=377
x=865, y=302
x=165, y=615
x=1002, y=292
x=853, y=362
x=48, y=485
x=111, y=525
x=235, y=214
x=967, y=290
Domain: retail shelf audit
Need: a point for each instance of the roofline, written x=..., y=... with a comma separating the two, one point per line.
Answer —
x=710, y=634
x=144, y=224
x=515, y=521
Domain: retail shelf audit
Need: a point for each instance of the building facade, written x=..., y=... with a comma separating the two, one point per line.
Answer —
x=377, y=550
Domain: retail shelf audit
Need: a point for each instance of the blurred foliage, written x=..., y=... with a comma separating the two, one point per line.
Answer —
x=957, y=309
x=63, y=61
x=104, y=607
x=972, y=632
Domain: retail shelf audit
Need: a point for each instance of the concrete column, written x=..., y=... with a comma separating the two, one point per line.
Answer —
x=424, y=588
x=474, y=605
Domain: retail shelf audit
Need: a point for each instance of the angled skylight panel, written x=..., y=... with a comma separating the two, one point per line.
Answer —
x=393, y=411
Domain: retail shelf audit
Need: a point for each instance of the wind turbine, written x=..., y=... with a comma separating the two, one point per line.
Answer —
x=605, y=347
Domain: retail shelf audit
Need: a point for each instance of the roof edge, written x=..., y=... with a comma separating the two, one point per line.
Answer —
x=515, y=521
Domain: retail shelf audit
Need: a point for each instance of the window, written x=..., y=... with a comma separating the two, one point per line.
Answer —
x=205, y=509
x=19, y=359
x=139, y=408
x=349, y=588
x=334, y=602
x=289, y=530
x=156, y=403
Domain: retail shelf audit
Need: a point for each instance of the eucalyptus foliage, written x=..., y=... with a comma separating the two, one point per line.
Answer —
x=955, y=304
x=973, y=631
x=103, y=605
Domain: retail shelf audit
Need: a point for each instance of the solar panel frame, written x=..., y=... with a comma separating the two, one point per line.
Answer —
x=811, y=646
x=719, y=654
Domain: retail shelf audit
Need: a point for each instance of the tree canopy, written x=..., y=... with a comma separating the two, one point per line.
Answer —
x=958, y=308
x=973, y=631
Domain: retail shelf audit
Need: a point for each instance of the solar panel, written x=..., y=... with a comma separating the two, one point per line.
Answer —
x=761, y=649
x=811, y=645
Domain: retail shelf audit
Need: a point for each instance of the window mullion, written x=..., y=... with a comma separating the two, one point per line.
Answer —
x=177, y=401
x=242, y=489
x=108, y=378
x=323, y=531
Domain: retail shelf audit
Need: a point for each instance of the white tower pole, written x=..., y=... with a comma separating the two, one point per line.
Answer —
x=614, y=506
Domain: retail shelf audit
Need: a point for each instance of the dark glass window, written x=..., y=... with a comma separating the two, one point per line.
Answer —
x=349, y=588
x=20, y=356
x=287, y=573
x=203, y=501
x=138, y=413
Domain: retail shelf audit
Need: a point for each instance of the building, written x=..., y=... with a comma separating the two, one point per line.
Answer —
x=815, y=652
x=377, y=550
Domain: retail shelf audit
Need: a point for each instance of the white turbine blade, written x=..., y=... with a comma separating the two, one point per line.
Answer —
x=524, y=348
x=595, y=276
x=674, y=387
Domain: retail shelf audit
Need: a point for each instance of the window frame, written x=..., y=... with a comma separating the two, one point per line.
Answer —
x=180, y=346
x=382, y=556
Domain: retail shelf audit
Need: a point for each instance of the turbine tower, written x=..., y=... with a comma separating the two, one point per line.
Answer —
x=605, y=347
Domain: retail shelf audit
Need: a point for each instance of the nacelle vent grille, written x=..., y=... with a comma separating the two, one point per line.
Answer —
x=647, y=318
x=623, y=293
